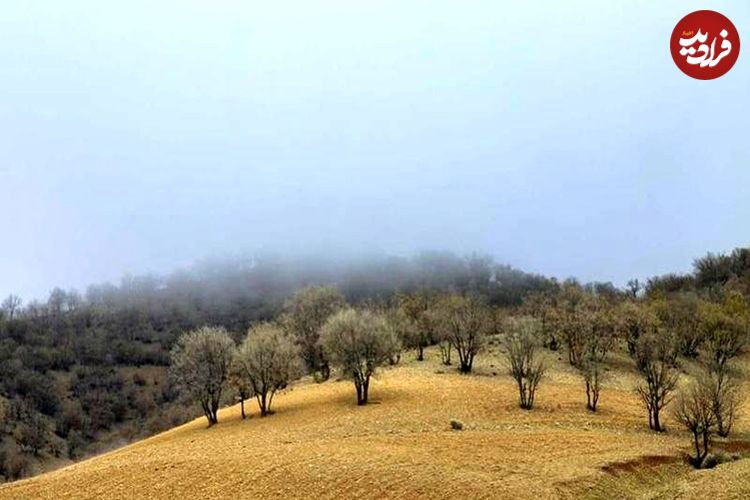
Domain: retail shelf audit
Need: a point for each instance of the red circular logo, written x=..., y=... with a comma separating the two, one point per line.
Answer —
x=705, y=44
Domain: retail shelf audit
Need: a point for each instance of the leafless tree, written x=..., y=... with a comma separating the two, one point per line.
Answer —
x=727, y=330
x=542, y=306
x=304, y=316
x=358, y=342
x=465, y=322
x=200, y=367
x=571, y=319
x=633, y=288
x=726, y=398
x=416, y=309
x=239, y=382
x=524, y=366
x=267, y=360
x=656, y=360
x=635, y=319
x=599, y=341
x=694, y=410
x=681, y=315
x=10, y=305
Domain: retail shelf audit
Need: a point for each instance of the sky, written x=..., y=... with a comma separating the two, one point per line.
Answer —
x=559, y=137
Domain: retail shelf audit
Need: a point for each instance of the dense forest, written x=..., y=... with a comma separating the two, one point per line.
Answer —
x=83, y=372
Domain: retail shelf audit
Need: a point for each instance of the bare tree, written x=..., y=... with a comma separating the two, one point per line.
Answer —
x=10, y=305
x=304, y=316
x=434, y=317
x=542, y=306
x=200, y=367
x=725, y=400
x=635, y=319
x=599, y=341
x=240, y=383
x=465, y=321
x=633, y=288
x=681, y=315
x=267, y=360
x=656, y=360
x=727, y=330
x=694, y=410
x=524, y=366
x=571, y=319
x=405, y=328
x=416, y=307
x=358, y=342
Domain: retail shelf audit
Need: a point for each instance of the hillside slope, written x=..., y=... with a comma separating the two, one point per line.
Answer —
x=320, y=444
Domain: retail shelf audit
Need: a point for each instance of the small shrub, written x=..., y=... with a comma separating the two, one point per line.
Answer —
x=457, y=425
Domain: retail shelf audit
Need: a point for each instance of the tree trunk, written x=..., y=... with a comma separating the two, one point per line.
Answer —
x=262, y=404
x=706, y=443
x=466, y=360
x=698, y=457
x=365, y=390
x=242, y=407
x=420, y=353
x=657, y=424
x=358, y=387
x=325, y=372
x=522, y=395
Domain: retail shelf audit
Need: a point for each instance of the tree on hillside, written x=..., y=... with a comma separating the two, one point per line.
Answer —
x=465, y=321
x=694, y=411
x=680, y=314
x=526, y=369
x=726, y=398
x=404, y=328
x=542, y=306
x=239, y=382
x=267, y=361
x=358, y=342
x=304, y=315
x=656, y=360
x=571, y=319
x=10, y=305
x=726, y=328
x=200, y=367
x=633, y=288
x=599, y=340
x=416, y=308
x=635, y=319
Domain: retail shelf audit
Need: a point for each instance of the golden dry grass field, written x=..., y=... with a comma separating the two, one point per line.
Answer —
x=319, y=444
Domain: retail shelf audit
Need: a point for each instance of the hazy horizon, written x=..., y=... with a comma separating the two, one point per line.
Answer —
x=560, y=139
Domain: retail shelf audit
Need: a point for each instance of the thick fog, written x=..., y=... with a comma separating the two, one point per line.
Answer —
x=558, y=137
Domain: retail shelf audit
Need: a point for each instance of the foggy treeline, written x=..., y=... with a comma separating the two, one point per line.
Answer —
x=82, y=371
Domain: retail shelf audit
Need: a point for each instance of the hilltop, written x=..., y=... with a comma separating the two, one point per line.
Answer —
x=320, y=444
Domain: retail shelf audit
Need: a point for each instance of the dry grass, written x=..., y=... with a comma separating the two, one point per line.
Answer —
x=320, y=444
